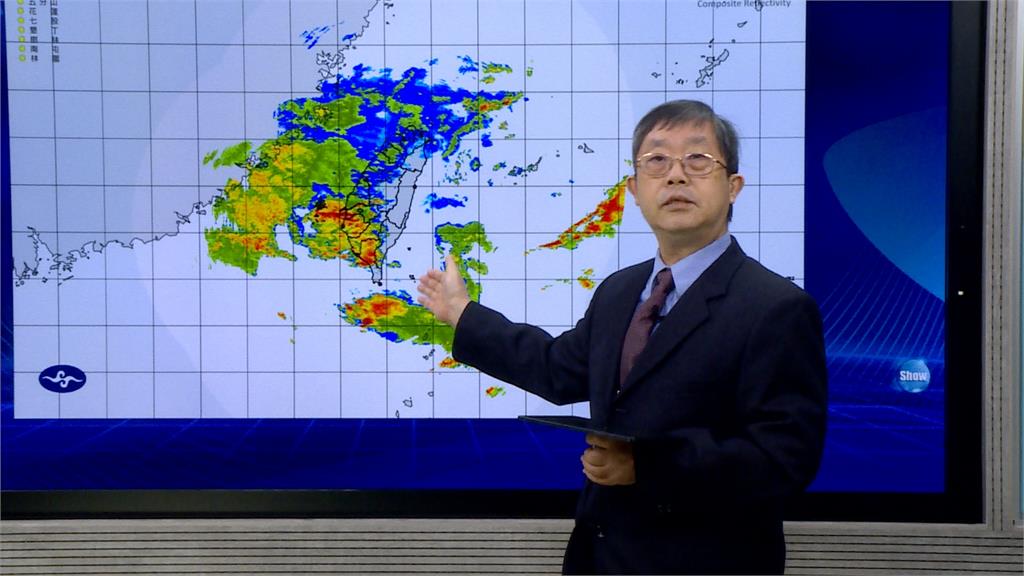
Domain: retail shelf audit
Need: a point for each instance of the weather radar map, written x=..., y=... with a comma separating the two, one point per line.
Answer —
x=220, y=209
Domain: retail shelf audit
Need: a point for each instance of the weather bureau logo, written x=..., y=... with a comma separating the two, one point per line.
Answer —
x=912, y=376
x=62, y=378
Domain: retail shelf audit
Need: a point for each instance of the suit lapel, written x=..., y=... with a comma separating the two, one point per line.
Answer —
x=688, y=313
x=622, y=303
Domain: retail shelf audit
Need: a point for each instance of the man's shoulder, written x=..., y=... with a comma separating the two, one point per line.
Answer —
x=625, y=280
x=756, y=295
x=752, y=276
x=629, y=273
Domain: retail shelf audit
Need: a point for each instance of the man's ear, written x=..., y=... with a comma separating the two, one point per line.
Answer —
x=631, y=186
x=735, y=186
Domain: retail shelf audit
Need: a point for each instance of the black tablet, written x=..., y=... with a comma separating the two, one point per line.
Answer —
x=577, y=423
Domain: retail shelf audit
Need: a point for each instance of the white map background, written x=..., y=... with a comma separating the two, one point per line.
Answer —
x=110, y=197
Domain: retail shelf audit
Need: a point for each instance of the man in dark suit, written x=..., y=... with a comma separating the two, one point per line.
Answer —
x=714, y=363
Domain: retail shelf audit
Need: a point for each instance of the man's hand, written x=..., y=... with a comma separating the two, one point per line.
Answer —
x=608, y=462
x=444, y=293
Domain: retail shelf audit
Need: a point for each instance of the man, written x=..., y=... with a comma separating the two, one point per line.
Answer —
x=726, y=396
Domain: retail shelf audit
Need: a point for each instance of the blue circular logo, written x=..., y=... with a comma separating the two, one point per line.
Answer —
x=913, y=376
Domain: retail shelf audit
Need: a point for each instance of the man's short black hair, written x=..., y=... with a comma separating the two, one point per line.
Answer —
x=678, y=112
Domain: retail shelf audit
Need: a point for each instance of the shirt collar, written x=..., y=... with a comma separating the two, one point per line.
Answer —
x=686, y=271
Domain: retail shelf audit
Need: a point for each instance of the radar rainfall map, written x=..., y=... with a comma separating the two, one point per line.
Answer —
x=219, y=208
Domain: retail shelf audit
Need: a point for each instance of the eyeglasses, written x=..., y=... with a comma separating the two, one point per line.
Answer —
x=656, y=164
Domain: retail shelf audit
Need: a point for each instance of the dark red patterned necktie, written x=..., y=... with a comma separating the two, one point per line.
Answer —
x=639, y=330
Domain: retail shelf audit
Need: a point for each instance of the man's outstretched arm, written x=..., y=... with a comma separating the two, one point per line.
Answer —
x=520, y=354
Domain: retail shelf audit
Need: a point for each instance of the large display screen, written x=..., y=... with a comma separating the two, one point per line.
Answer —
x=215, y=212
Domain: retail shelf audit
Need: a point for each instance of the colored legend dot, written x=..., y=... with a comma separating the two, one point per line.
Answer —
x=21, y=10
x=21, y=20
x=21, y=48
x=21, y=57
x=21, y=29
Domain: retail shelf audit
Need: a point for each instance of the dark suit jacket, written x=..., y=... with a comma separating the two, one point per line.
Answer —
x=727, y=401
